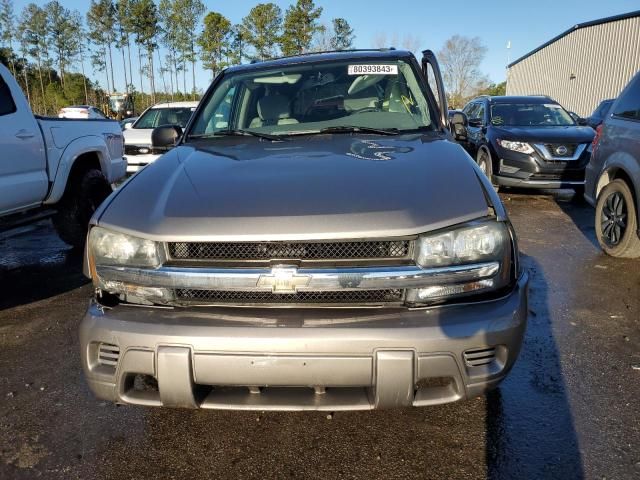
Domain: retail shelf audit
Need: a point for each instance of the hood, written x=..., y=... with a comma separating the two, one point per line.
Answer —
x=567, y=134
x=311, y=187
x=137, y=136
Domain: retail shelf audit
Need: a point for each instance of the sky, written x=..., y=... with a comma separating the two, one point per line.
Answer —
x=525, y=24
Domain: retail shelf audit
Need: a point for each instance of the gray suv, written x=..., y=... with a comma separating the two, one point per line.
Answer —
x=314, y=240
x=613, y=175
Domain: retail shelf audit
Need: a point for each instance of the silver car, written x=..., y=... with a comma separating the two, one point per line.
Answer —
x=314, y=240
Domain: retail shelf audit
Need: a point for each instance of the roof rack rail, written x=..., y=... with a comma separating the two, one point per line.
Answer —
x=385, y=49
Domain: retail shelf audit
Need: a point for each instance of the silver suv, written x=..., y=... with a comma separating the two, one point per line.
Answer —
x=613, y=175
x=315, y=240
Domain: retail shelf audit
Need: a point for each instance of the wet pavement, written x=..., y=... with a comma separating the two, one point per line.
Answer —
x=569, y=409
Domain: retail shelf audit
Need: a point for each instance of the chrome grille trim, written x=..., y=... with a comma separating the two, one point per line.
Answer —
x=548, y=155
x=320, y=279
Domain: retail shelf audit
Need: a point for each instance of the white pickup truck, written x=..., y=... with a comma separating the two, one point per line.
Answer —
x=53, y=166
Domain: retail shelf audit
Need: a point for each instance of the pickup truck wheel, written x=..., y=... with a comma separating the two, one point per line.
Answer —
x=617, y=221
x=78, y=204
x=483, y=159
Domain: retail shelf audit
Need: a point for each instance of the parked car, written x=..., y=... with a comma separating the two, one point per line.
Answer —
x=137, y=138
x=599, y=114
x=613, y=176
x=527, y=142
x=314, y=241
x=127, y=123
x=81, y=112
x=52, y=166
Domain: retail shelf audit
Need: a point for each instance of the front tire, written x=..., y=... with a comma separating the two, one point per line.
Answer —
x=616, y=221
x=84, y=195
x=483, y=159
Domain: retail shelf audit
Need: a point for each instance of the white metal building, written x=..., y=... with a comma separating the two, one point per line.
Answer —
x=588, y=63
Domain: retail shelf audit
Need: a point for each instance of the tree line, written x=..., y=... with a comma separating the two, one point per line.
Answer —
x=45, y=46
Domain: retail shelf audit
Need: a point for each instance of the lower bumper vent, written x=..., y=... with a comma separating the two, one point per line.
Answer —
x=479, y=357
x=362, y=297
x=108, y=354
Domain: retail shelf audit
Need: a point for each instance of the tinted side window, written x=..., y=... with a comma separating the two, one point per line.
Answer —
x=628, y=105
x=7, y=105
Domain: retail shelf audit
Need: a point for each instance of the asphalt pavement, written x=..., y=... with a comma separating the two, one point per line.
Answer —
x=569, y=409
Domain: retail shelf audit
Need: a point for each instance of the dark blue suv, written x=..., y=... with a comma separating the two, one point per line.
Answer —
x=525, y=142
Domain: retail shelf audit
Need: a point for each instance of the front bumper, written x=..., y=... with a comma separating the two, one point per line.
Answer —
x=533, y=171
x=301, y=359
x=138, y=162
x=536, y=183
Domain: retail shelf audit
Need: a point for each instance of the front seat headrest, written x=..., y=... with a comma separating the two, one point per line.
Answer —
x=273, y=108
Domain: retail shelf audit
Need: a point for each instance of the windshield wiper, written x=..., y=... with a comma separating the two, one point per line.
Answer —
x=356, y=129
x=240, y=133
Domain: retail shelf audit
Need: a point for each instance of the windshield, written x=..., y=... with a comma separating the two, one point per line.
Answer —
x=308, y=98
x=164, y=116
x=530, y=115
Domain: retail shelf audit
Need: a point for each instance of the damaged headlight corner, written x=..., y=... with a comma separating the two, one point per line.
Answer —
x=110, y=251
x=473, y=258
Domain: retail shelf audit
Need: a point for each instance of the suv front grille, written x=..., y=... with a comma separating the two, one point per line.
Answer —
x=137, y=149
x=234, y=297
x=266, y=251
x=570, y=148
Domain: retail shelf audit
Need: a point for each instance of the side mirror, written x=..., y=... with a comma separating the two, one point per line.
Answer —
x=165, y=137
x=578, y=119
x=128, y=125
x=459, y=123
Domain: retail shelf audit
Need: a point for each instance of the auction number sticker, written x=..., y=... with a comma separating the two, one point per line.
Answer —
x=373, y=69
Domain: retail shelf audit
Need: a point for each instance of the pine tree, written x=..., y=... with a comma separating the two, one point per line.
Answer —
x=62, y=35
x=32, y=30
x=144, y=14
x=300, y=25
x=101, y=22
x=213, y=41
x=188, y=14
x=237, y=45
x=7, y=29
x=262, y=28
x=342, y=38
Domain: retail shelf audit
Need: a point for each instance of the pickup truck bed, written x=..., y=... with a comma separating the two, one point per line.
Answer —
x=51, y=162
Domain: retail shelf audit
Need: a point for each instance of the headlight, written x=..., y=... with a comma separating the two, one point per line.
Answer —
x=521, y=147
x=472, y=244
x=476, y=257
x=117, y=249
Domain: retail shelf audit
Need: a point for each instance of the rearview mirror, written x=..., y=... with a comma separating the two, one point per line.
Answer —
x=459, y=123
x=165, y=137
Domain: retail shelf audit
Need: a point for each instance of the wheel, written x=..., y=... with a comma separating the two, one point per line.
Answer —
x=483, y=159
x=83, y=196
x=616, y=221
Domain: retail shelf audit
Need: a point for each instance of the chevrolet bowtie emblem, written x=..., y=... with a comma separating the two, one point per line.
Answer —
x=283, y=280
